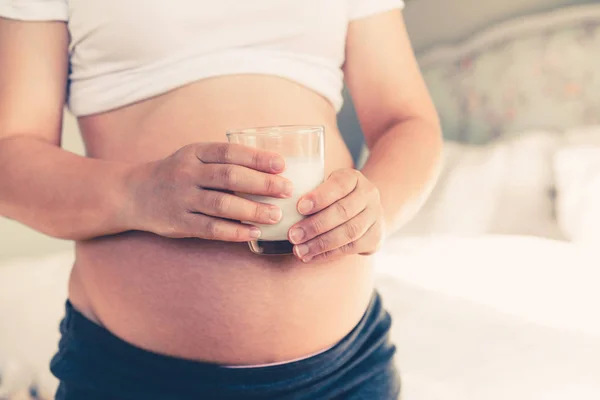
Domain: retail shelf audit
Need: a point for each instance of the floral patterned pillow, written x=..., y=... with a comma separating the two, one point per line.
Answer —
x=539, y=72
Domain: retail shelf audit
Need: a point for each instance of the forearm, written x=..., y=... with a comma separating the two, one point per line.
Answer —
x=404, y=165
x=59, y=193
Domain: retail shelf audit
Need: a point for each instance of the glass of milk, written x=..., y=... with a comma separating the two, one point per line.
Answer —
x=303, y=150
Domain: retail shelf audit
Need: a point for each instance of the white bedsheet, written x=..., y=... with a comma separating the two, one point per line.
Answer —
x=475, y=318
x=494, y=318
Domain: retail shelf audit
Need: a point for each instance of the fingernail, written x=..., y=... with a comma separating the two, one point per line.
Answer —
x=277, y=164
x=297, y=234
x=275, y=214
x=301, y=250
x=288, y=189
x=255, y=233
x=305, y=206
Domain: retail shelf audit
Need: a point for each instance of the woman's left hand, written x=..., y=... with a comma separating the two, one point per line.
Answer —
x=344, y=216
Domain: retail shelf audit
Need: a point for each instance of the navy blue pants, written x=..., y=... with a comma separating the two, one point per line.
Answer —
x=93, y=364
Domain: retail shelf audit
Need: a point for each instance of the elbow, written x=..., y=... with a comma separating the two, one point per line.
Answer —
x=430, y=130
x=424, y=127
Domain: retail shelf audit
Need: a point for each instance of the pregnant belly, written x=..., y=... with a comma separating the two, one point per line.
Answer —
x=217, y=302
x=214, y=301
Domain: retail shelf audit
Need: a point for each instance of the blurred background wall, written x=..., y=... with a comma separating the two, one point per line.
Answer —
x=436, y=22
x=430, y=23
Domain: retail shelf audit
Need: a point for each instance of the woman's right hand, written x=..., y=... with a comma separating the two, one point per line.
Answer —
x=190, y=193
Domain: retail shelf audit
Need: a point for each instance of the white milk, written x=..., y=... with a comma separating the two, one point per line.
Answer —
x=305, y=175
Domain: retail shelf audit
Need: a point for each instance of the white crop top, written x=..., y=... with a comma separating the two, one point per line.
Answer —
x=124, y=51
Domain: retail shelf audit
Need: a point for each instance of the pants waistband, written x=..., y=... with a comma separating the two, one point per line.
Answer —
x=87, y=348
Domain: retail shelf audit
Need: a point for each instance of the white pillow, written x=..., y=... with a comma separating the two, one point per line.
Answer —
x=503, y=188
x=577, y=170
x=462, y=202
x=525, y=205
x=582, y=136
x=470, y=176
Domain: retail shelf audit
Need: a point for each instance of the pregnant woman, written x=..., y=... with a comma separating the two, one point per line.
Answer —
x=165, y=299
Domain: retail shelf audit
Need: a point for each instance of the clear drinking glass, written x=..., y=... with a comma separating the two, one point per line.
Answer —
x=303, y=150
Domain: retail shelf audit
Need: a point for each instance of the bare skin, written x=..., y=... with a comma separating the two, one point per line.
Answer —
x=185, y=284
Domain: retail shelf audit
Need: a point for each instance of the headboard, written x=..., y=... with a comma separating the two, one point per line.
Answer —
x=535, y=72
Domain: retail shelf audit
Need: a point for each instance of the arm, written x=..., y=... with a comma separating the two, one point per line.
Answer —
x=41, y=185
x=351, y=212
x=78, y=198
x=397, y=116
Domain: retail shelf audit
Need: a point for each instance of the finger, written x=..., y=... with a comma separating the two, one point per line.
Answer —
x=344, y=235
x=337, y=186
x=374, y=237
x=244, y=180
x=229, y=206
x=210, y=228
x=226, y=153
x=333, y=216
x=367, y=245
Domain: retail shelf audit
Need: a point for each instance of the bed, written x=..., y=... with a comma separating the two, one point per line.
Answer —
x=493, y=285
x=520, y=113
x=489, y=317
